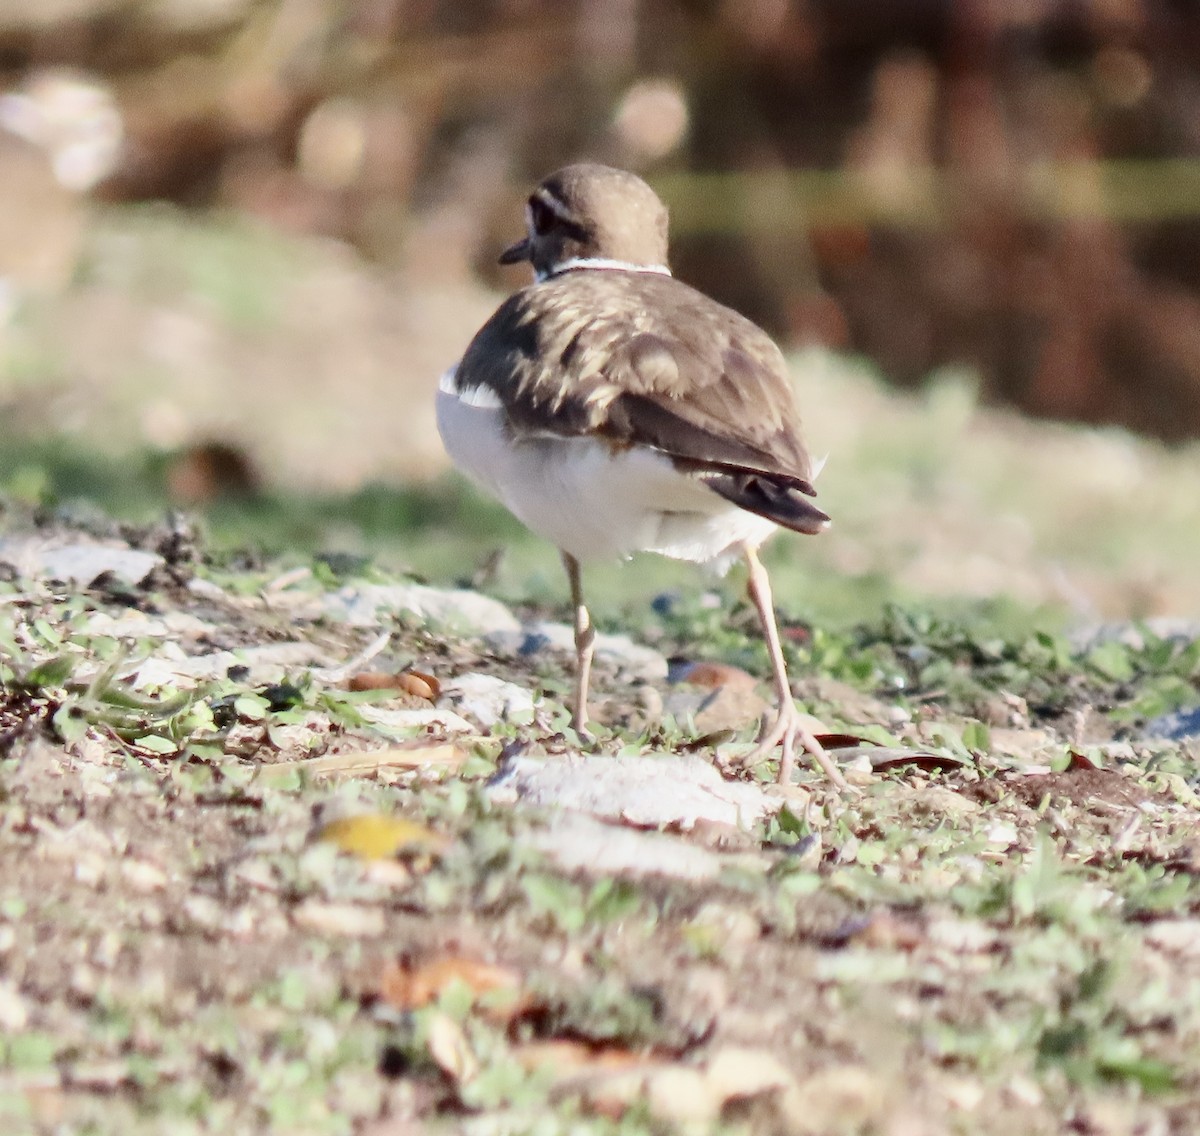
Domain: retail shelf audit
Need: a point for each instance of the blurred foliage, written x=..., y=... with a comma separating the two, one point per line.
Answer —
x=1005, y=191
x=1008, y=186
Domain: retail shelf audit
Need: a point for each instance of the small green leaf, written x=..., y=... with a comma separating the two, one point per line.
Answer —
x=790, y=823
x=1111, y=659
x=29, y=1051
x=69, y=724
x=47, y=632
x=1153, y=1076
x=977, y=737
x=51, y=673
x=251, y=707
x=8, y=639
x=156, y=743
x=613, y=900
x=555, y=897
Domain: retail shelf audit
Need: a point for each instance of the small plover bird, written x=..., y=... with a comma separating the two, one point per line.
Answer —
x=614, y=409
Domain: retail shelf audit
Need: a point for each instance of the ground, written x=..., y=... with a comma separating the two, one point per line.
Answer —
x=212, y=918
x=266, y=866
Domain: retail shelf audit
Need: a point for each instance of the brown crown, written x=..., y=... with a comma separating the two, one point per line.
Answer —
x=592, y=211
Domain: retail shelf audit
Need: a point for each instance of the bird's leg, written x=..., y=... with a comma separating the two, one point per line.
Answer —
x=787, y=728
x=585, y=640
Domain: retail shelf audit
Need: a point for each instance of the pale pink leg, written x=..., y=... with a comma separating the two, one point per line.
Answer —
x=585, y=640
x=787, y=727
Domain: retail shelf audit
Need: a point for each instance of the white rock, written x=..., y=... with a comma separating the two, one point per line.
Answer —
x=143, y=876
x=206, y=589
x=736, y=1071
x=679, y=1095
x=14, y=1012
x=634, y=659
x=405, y=721
x=205, y=911
x=1181, y=936
x=651, y=792
x=338, y=918
x=127, y=625
x=169, y=666
x=961, y=935
x=132, y=624
x=488, y=699
x=1002, y=835
x=579, y=843
x=361, y=605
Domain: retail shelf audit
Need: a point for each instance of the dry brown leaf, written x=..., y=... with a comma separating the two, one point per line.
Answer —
x=884, y=930
x=423, y=685
x=842, y=741
x=1077, y=759
x=409, y=987
x=852, y=746
x=417, y=683
x=565, y=1058
x=371, y=680
x=717, y=674
x=889, y=757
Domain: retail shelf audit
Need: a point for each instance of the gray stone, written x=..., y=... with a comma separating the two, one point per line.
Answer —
x=1132, y=635
x=632, y=660
x=77, y=562
x=133, y=624
x=1180, y=726
x=719, y=708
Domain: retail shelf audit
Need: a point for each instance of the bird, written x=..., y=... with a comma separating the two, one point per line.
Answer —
x=614, y=409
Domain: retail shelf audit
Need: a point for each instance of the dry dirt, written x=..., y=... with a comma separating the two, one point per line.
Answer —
x=1002, y=947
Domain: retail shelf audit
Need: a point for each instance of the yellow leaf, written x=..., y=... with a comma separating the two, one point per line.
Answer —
x=375, y=836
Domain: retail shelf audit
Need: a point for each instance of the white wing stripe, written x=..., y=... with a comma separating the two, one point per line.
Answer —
x=481, y=397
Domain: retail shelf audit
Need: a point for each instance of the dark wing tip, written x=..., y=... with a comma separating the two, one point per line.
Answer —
x=777, y=500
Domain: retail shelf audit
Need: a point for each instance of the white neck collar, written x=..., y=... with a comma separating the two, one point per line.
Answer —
x=601, y=262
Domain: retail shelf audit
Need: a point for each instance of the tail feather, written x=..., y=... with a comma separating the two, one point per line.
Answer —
x=784, y=502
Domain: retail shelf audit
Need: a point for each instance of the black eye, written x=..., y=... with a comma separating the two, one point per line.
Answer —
x=541, y=215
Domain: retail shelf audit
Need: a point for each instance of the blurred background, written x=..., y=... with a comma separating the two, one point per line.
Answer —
x=240, y=239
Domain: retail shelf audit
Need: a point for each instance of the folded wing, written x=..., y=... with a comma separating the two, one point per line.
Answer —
x=676, y=372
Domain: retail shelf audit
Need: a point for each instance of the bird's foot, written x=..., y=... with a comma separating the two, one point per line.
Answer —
x=785, y=731
x=587, y=739
x=581, y=723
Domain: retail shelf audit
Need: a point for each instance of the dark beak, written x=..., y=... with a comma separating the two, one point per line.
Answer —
x=514, y=254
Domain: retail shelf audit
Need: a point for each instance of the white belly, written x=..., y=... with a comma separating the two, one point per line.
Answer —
x=590, y=500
